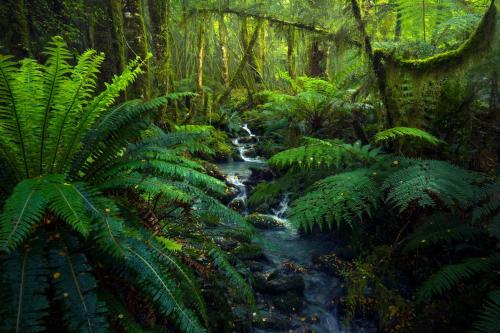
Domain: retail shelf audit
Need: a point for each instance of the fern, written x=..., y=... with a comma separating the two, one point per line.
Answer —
x=75, y=288
x=438, y=230
x=336, y=200
x=489, y=317
x=323, y=154
x=401, y=132
x=25, y=276
x=449, y=276
x=235, y=279
x=426, y=183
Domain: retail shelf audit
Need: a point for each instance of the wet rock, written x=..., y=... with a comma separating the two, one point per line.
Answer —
x=271, y=320
x=259, y=282
x=287, y=302
x=238, y=205
x=266, y=222
x=248, y=140
x=250, y=153
x=227, y=244
x=332, y=264
x=259, y=174
x=294, y=283
x=255, y=266
x=249, y=252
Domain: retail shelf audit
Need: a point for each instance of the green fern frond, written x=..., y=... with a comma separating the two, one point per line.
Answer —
x=489, y=317
x=24, y=278
x=322, y=154
x=449, y=276
x=22, y=210
x=336, y=200
x=235, y=279
x=441, y=229
x=425, y=183
x=154, y=282
x=405, y=132
x=75, y=287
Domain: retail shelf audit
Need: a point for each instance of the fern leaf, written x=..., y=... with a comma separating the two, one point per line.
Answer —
x=406, y=132
x=338, y=199
x=24, y=275
x=449, y=276
x=75, y=287
x=23, y=209
x=489, y=317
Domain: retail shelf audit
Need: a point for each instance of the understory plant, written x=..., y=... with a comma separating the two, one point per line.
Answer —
x=360, y=189
x=77, y=178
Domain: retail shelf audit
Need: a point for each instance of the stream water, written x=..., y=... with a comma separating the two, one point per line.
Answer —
x=286, y=248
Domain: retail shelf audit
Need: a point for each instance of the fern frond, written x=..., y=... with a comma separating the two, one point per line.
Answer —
x=24, y=276
x=164, y=294
x=438, y=230
x=235, y=279
x=22, y=210
x=427, y=182
x=449, y=276
x=75, y=287
x=405, y=132
x=322, y=154
x=489, y=317
x=339, y=199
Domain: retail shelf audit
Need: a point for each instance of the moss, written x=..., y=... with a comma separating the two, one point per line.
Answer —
x=479, y=41
x=248, y=251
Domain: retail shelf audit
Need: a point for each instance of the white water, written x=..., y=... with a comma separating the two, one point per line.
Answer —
x=250, y=143
x=287, y=246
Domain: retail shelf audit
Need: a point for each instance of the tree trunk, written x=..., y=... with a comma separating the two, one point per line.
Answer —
x=291, y=64
x=224, y=51
x=316, y=64
x=244, y=60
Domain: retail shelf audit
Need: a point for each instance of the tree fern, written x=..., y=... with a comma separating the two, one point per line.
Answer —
x=336, y=200
x=402, y=132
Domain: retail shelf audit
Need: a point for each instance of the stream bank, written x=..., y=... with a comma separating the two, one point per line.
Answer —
x=293, y=292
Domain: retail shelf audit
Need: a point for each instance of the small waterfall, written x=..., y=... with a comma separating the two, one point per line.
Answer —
x=247, y=144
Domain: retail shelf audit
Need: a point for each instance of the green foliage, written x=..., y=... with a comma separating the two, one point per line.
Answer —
x=402, y=132
x=427, y=183
x=336, y=200
x=449, y=276
x=76, y=160
x=323, y=154
x=489, y=318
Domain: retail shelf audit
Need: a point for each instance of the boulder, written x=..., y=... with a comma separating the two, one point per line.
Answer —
x=284, y=283
x=238, y=205
x=249, y=252
x=287, y=302
x=266, y=222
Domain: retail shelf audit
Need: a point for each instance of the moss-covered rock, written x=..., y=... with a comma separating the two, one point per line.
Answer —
x=264, y=221
x=249, y=252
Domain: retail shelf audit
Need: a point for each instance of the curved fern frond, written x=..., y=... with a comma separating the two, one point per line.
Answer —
x=322, y=154
x=75, y=287
x=489, y=317
x=426, y=183
x=449, y=276
x=22, y=210
x=439, y=230
x=339, y=199
x=154, y=281
x=235, y=279
x=406, y=132
x=24, y=278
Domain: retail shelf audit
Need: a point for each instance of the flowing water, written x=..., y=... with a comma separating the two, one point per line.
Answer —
x=286, y=247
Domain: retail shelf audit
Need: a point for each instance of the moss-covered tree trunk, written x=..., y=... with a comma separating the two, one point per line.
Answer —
x=316, y=61
x=291, y=55
x=224, y=49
